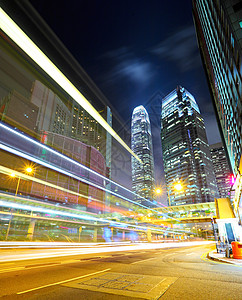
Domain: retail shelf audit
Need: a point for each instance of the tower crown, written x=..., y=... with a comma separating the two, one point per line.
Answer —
x=178, y=99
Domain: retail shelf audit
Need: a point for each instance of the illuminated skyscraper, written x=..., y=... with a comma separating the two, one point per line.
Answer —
x=219, y=34
x=186, y=154
x=141, y=144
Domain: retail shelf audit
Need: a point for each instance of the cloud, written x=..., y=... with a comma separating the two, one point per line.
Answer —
x=181, y=48
x=126, y=65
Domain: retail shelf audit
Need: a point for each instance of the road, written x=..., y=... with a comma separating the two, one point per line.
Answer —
x=163, y=273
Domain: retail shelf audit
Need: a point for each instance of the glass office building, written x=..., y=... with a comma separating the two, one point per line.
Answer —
x=186, y=154
x=219, y=34
x=141, y=144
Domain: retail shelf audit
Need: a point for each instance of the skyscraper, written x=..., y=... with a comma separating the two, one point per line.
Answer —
x=221, y=169
x=186, y=154
x=219, y=34
x=141, y=144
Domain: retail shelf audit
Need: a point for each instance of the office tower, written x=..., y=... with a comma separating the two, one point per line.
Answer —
x=221, y=169
x=141, y=144
x=219, y=34
x=186, y=154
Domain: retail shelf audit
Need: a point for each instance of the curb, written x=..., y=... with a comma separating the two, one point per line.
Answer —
x=222, y=260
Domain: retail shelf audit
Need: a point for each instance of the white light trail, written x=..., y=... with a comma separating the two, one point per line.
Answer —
x=73, y=215
x=6, y=256
x=41, y=162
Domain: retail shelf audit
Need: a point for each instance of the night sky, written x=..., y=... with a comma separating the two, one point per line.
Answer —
x=133, y=49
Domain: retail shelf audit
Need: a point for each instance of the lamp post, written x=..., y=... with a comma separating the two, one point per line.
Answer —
x=13, y=175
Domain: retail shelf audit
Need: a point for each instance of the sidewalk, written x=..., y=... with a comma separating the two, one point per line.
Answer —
x=221, y=258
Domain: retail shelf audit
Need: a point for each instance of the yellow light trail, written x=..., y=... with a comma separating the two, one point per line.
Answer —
x=29, y=47
x=8, y=171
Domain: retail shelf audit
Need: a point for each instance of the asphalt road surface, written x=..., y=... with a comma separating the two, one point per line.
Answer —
x=172, y=273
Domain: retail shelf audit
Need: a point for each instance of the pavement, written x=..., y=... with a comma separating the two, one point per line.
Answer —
x=150, y=273
x=222, y=258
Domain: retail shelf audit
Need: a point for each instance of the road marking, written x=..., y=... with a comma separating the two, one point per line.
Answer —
x=136, y=262
x=60, y=282
x=45, y=266
x=191, y=253
x=204, y=256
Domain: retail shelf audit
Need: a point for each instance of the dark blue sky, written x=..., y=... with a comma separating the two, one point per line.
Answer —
x=132, y=49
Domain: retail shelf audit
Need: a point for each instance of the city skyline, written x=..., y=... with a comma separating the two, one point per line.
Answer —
x=131, y=73
x=90, y=112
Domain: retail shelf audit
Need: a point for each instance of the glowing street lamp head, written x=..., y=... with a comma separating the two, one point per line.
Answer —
x=158, y=191
x=29, y=170
x=12, y=175
x=178, y=187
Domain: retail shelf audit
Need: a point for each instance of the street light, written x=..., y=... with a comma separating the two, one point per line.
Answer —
x=158, y=191
x=28, y=170
x=178, y=186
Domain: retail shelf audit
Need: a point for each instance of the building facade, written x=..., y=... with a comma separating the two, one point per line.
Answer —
x=219, y=34
x=141, y=144
x=186, y=154
x=221, y=169
x=53, y=114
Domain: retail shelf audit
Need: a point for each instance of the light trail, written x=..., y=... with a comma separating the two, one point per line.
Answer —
x=16, y=152
x=124, y=225
x=51, y=166
x=81, y=217
x=53, y=206
x=87, y=250
x=6, y=170
x=18, y=215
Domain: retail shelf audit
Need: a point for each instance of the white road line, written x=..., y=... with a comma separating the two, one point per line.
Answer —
x=140, y=261
x=45, y=266
x=60, y=282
